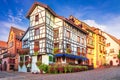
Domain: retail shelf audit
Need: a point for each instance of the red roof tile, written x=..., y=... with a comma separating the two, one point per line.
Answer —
x=3, y=44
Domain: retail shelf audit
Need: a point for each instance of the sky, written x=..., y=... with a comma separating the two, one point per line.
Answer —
x=104, y=14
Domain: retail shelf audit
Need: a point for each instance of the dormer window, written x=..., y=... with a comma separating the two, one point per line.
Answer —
x=37, y=18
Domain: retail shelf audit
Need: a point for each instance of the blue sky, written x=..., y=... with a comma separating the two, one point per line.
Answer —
x=104, y=14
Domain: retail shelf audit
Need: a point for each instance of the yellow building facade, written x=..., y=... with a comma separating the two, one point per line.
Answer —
x=99, y=48
x=90, y=46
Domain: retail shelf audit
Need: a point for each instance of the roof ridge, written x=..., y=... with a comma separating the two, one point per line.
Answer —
x=114, y=38
x=17, y=28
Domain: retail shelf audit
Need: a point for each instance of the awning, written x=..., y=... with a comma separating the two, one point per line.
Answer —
x=71, y=56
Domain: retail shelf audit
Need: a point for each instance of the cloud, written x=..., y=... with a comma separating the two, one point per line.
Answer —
x=14, y=18
x=18, y=18
x=111, y=26
x=5, y=28
x=93, y=23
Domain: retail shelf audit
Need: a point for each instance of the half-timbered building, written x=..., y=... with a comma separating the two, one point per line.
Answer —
x=53, y=38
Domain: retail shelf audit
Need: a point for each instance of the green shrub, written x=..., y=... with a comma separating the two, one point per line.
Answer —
x=44, y=67
x=70, y=68
x=49, y=67
x=38, y=63
x=65, y=69
x=55, y=70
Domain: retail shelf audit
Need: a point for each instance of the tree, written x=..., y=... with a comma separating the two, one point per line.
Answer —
x=119, y=57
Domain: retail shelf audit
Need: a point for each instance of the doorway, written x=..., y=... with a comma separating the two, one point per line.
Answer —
x=5, y=66
x=111, y=63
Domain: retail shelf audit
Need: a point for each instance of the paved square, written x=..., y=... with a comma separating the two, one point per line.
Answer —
x=98, y=74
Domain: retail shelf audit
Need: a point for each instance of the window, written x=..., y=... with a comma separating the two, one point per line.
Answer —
x=56, y=48
x=26, y=58
x=37, y=18
x=11, y=44
x=78, y=50
x=21, y=58
x=78, y=39
x=11, y=37
x=56, y=33
x=100, y=48
x=83, y=51
x=51, y=58
x=114, y=57
x=17, y=51
x=116, y=61
x=25, y=42
x=67, y=45
x=82, y=40
x=111, y=50
x=68, y=34
x=36, y=45
x=37, y=31
x=100, y=39
x=68, y=48
x=39, y=58
x=56, y=45
x=108, y=44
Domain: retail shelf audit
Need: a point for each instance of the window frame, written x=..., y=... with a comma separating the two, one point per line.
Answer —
x=36, y=17
x=37, y=31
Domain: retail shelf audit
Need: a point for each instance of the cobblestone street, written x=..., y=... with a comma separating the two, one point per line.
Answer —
x=98, y=74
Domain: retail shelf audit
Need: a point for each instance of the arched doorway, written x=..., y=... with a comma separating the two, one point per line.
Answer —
x=5, y=66
x=111, y=63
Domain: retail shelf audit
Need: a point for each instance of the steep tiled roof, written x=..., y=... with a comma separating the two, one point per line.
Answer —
x=3, y=44
x=114, y=38
x=80, y=24
x=17, y=31
x=40, y=4
x=49, y=9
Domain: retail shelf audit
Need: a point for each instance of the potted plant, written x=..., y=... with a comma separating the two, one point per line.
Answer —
x=43, y=68
x=27, y=62
x=21, y=63
x=119, y=58
x=38, y=63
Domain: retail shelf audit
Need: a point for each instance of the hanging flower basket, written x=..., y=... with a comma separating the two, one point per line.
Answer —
x=78, y=53
x=21, y=63
x=56, y=50
x=68, y=50
x=36, y=51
